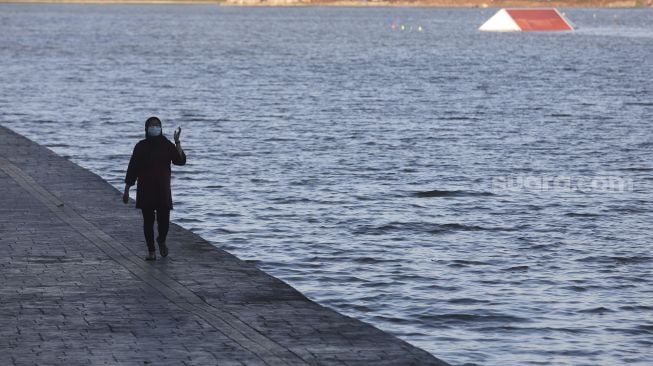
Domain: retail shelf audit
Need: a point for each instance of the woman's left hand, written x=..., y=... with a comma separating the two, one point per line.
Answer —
x=177, y=133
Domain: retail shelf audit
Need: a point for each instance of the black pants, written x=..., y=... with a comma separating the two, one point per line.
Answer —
x=162, y=222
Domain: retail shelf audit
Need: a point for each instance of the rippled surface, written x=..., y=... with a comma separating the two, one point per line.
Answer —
x=355, y=161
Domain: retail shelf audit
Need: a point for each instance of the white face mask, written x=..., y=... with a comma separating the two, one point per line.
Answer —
x=153, y=131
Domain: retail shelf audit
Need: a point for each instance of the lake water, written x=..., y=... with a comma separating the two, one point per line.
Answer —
x=399, y=177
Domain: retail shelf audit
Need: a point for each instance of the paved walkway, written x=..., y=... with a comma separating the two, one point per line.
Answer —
x=76, y=291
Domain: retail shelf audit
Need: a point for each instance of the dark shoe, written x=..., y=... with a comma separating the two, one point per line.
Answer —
x=163, y=248
x=151, y=256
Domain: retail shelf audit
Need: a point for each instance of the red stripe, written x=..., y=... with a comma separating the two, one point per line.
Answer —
x=538, y=19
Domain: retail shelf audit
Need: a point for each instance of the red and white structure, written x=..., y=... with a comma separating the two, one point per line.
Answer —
x=526, y=20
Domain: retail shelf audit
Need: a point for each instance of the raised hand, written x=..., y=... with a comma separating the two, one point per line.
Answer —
x=177, y=133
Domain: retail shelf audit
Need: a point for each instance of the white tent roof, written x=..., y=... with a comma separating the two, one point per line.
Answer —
x=500, y=22
x=526, y=19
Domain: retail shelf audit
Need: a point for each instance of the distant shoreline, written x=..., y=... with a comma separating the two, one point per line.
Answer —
x=371, y=3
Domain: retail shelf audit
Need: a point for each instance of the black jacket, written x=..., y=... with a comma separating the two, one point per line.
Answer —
x=150, y=166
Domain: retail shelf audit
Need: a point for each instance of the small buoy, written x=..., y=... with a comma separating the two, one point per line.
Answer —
x=419, y=29
x=403, y=27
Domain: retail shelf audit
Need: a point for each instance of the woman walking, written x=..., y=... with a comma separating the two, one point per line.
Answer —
x=150, y=166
